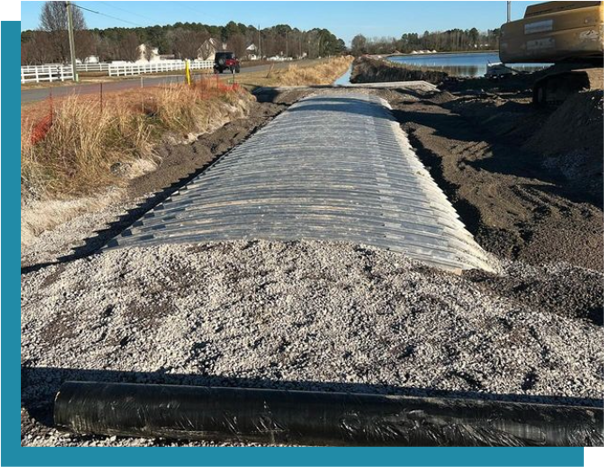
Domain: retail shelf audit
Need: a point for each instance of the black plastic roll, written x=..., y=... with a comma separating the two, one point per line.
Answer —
x=317, y=418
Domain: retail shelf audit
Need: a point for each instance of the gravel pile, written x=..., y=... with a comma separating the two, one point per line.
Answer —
x=300, y=315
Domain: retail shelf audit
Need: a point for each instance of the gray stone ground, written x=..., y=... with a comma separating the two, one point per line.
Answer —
x=307, y=315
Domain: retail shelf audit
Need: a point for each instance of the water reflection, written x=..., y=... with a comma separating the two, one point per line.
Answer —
x=463, y=64
x=344, y=80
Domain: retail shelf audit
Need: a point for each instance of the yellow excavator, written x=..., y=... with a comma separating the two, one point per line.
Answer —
x=568, y=34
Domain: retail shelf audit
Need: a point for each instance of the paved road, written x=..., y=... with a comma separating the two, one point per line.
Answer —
x=335, y=166
x=32, y=95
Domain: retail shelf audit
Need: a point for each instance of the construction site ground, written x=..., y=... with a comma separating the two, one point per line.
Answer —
x=526, y=182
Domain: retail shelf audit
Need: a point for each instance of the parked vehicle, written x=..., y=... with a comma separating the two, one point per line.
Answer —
x=226, y=61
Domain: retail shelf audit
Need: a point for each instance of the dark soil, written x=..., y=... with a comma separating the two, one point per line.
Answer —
x=512, y=195
x=527, y=182
x=571, y=292
x=180, y=162
x=370, y=70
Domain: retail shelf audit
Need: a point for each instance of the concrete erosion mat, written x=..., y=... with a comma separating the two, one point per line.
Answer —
x=333, y=167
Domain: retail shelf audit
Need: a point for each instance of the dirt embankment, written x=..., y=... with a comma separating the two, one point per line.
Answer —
x=514, y=196
x=527, y=181
x=371, y=70
x=571, y=141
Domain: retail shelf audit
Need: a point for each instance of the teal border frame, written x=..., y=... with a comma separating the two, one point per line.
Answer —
x=11, y=381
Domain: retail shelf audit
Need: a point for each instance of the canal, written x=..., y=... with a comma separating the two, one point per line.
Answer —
x=461, y=64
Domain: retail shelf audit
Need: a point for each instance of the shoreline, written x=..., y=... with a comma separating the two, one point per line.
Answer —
x=442, y=53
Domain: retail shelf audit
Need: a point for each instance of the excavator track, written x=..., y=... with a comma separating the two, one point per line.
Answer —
x=557, y=86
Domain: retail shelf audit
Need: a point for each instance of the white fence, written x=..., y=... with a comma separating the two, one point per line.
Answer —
x=40, y=73
x=157, y=67
x=91, y=67
x=50, y=73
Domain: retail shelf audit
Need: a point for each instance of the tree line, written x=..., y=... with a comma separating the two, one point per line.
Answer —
x=453, y=40
x=50, y=44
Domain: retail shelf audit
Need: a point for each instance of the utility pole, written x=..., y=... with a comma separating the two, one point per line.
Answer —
x=286, y=48
x=259, y=46
x=509, y=11
x=71, y=41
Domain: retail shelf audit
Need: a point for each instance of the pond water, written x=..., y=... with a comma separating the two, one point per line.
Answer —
x=344, y=79
x=461, y=64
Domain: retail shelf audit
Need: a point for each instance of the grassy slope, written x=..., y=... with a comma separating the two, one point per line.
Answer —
x=73, y=149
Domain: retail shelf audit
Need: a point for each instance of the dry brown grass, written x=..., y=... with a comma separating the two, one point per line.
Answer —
x=81, y=145
x=189, y=109
x=74, y=154
x=303, y=73
x=321, y=74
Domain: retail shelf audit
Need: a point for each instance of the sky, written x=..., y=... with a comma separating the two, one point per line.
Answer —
x=344, y=19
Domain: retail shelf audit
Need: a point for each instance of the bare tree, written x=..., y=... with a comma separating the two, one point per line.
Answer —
x=128, y=48
x=53, y=20
x=26, y=53
x=186, y=44
x=236, y=43
x=359, y=45
x=36, y=50
x=85, y=44
x=148, y=51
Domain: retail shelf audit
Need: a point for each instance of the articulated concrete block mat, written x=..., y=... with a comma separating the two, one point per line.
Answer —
x=333, y=167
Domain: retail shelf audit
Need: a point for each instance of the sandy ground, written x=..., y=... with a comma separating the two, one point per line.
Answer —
x=312, y=315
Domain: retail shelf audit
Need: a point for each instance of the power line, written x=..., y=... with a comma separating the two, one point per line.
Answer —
x=180, y=4
x=110, y=4
x=106, y=15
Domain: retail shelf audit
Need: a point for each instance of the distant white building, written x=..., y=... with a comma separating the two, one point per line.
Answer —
x=208, y=49
x=252, y=52
x=142, y=54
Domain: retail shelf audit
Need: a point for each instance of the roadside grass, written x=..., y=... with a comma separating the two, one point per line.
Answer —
x=323, y=72
x=71, y=147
